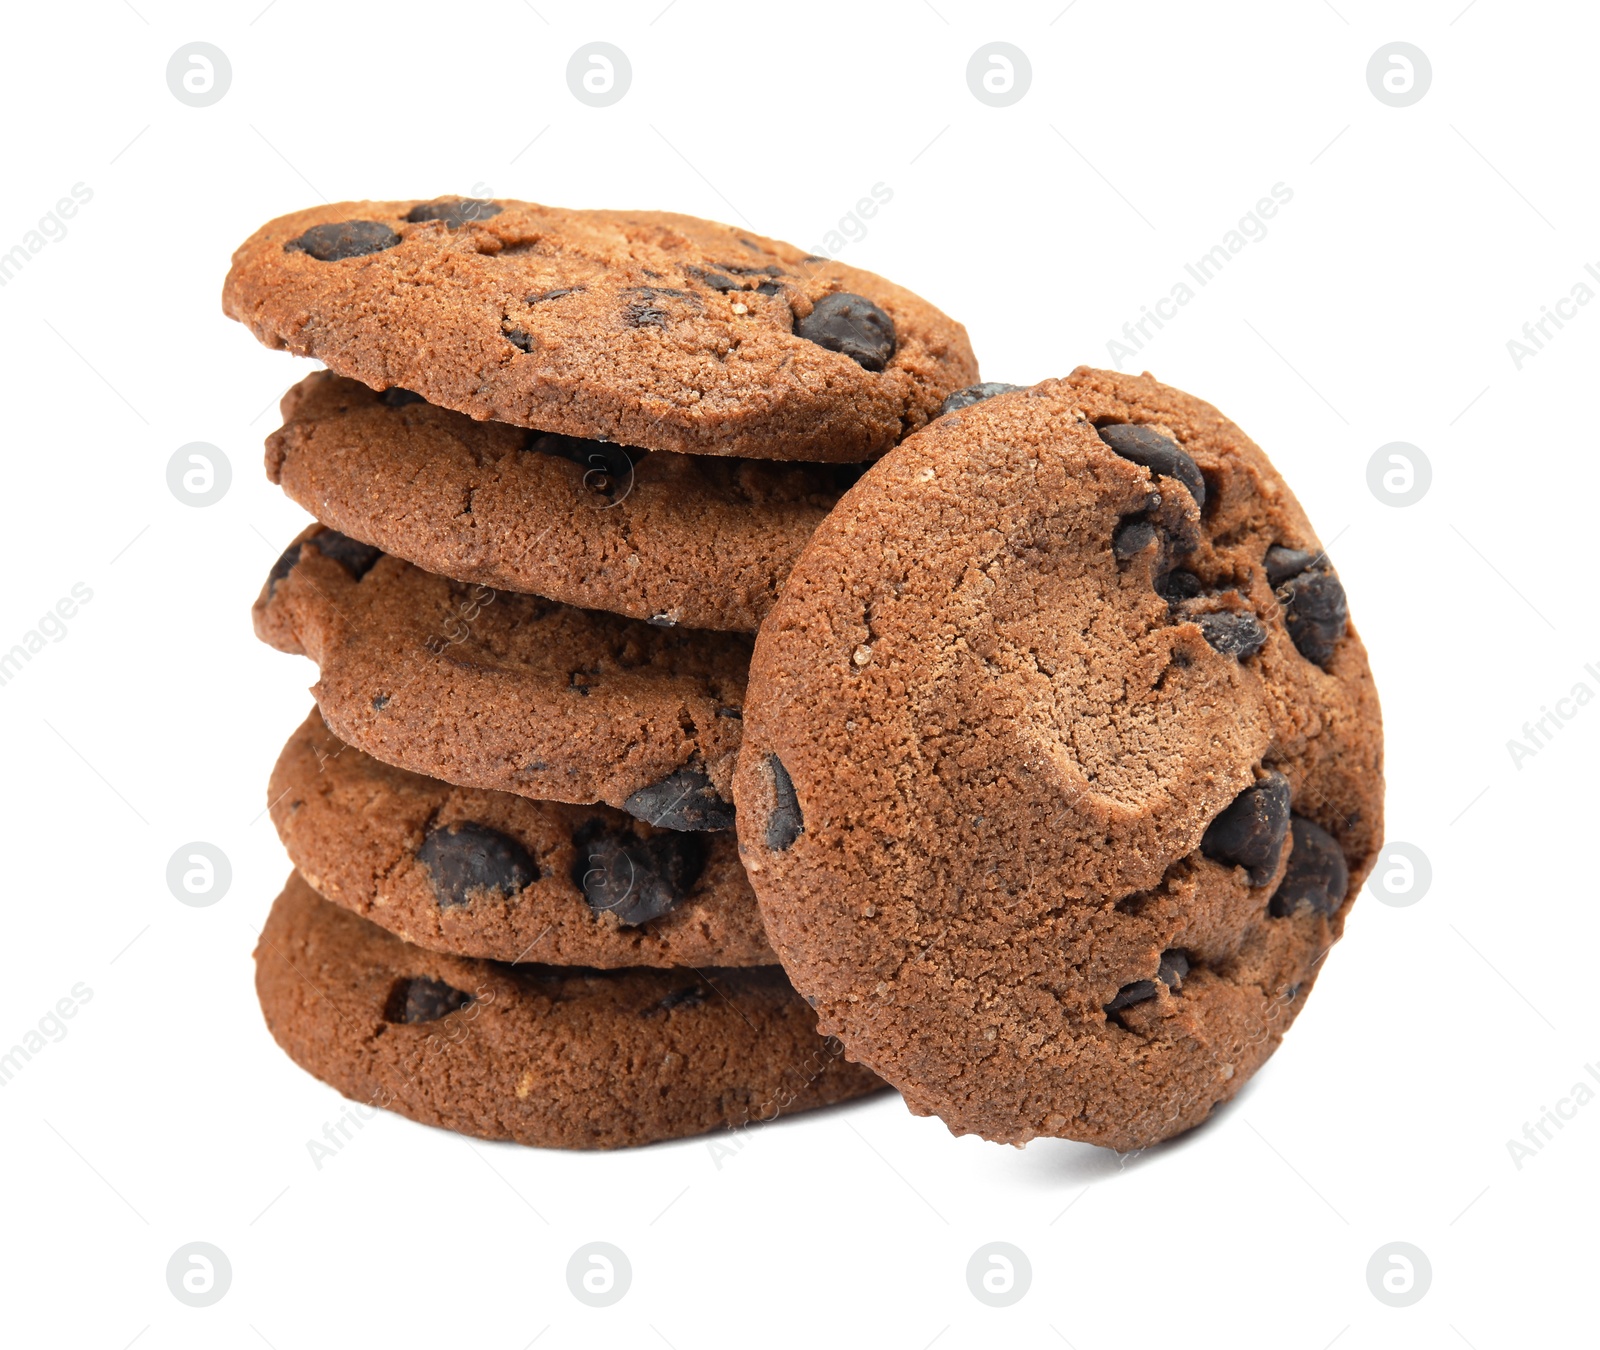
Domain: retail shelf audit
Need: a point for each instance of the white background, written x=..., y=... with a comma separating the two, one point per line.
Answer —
x=1376, y=309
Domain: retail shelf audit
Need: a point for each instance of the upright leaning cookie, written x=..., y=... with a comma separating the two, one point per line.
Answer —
x=1062, y=764
x=543, y=1055
x=496, y=875
x=653, y=535
x=487, y=689
x=640, y=327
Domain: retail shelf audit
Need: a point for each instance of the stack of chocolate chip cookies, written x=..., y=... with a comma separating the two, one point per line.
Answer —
x=1057, y=761
x=561, y=463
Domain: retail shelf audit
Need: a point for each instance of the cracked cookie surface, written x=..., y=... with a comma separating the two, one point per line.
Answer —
x=639, y=327
x=1062, y=763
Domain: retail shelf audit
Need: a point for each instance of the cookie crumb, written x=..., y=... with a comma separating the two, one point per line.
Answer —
x=863, y=654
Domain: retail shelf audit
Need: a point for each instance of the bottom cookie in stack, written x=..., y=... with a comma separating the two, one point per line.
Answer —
x=557, y=1057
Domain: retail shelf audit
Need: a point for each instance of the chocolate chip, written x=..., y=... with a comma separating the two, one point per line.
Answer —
x=399, y=398
x=351, y=554
x=1137, y=992
x=684, y=800
x=1132, y=538
x=1317, y=877
x=691, y=997
x=852, y=325
x=744, y=270
x=1315, y=612
x=1283, y=562
x=642, y=314
x=769, y=288
x=736, y=713
x=1161, y=456
x=542, y=296
x=635, y=879
x=455, y=211
x=345, y=239
x=423, y=999
x=468, y=857
x=973, y=393
x=785, y=824
x=380, y=702
x=1179, y=585
x=280, y=569
x=1174, y=966
x=519, y=339
x=1233, y=634
x=716, y=280
x=1250, y=831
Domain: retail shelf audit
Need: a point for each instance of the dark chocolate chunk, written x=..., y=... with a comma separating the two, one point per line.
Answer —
x=1250, y=831
x=455, y=211
x=716, y=280
x=399, y=398
x=1315, y=612
x=519, y=339
x=744, y=270
x=1283, y=562
x=280, y=569
x=1174, y=966
x=423, y=999
x=1132, y=538
x=684, y=800
x=642, y=314
x=1232, y=633
x=468, y=857
x=635, y=879
x=351, y=554
x=1317, y=877
x=1178, y=585
x=343, y=239
x=852, y=325
x=556, y=294
x=1158, y=454
x=769, y=288
x=785, y=824
x=380, y=702
x=973, y=393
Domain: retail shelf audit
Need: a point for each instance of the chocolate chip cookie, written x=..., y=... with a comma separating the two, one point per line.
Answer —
x=487, y=689
x=638, y=327
x=496, y=875
x=650, y=534
x=1062, y=763
x=544, y=1055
